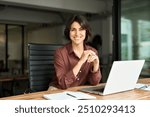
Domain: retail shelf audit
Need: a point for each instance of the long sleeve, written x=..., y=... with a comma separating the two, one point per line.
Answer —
x=94, y=78
x=65, y=76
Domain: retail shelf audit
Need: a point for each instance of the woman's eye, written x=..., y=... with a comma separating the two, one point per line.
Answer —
x=72, y=29
x=81, y=29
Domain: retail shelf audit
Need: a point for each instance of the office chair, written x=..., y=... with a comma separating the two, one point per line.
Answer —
x=41, y=66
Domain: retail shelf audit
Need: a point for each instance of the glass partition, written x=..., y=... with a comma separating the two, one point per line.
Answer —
x=11, y=56
x=2, y=48
x=14, y=49
x=135, y=32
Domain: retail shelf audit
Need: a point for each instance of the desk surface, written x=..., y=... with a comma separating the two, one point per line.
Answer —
x=135, y=94
x=12, y=78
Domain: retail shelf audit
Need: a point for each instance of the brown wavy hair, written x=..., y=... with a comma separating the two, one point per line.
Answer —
x=82, y=21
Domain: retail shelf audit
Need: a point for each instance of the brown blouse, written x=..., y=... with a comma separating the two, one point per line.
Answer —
x=65, y=60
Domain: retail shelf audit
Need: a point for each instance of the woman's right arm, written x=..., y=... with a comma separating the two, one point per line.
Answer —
x=65, y=76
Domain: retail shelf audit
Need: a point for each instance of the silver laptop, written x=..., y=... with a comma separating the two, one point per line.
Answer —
x=123, y=76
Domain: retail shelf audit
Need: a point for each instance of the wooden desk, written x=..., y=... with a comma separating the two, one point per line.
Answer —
x=12, y=80
x=135, y=94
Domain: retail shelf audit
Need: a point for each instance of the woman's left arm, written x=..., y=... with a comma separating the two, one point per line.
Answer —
x=95, y=73
x=94, y=78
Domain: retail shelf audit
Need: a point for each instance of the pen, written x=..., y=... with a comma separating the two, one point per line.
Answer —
x=71, y=95
x=143, y=87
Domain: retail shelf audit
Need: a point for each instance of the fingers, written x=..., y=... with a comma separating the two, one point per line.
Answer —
x=92, y=57
x=89, y=52
x=89, y=56
x=84, y=56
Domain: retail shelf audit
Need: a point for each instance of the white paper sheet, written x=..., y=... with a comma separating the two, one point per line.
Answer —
x=68, y=95
x=143, y=86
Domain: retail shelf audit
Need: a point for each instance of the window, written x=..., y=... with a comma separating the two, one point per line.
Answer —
x=2, y=48
x=135, y=32
x=11, y=56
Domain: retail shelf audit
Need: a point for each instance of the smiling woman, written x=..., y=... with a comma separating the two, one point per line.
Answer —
x=77, y=63
x=83, y=25
x=77, y=33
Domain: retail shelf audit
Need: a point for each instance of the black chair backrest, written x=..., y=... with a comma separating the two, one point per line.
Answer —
x=41, y=65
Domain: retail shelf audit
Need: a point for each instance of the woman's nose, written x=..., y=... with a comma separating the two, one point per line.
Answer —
x=77, y=32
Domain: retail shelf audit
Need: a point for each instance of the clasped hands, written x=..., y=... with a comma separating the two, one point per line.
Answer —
x=90, y=56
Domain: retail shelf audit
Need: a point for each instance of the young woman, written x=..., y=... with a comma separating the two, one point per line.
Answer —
x=76, y=63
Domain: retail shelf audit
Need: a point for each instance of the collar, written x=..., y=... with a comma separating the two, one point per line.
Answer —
x=70, y=49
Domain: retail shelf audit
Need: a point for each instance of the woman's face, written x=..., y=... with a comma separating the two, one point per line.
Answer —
x=77, y=33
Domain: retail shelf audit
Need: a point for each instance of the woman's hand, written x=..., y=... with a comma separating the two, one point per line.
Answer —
x=91, y=57
x=85, y=56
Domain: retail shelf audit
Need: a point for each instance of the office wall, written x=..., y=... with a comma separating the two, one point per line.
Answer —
x=107, y=35
x=103, y=26
x=14, y=44
x=45, y=35
x=87, y=6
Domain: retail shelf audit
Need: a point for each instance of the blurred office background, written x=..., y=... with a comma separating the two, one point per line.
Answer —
x=124, y=26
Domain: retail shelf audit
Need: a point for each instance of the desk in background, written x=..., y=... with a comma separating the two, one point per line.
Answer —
x=8, y=84
x=135, y=94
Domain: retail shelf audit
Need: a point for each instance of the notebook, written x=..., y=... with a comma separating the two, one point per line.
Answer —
x=69, y=95
x=143, y=86
x=123, y=76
